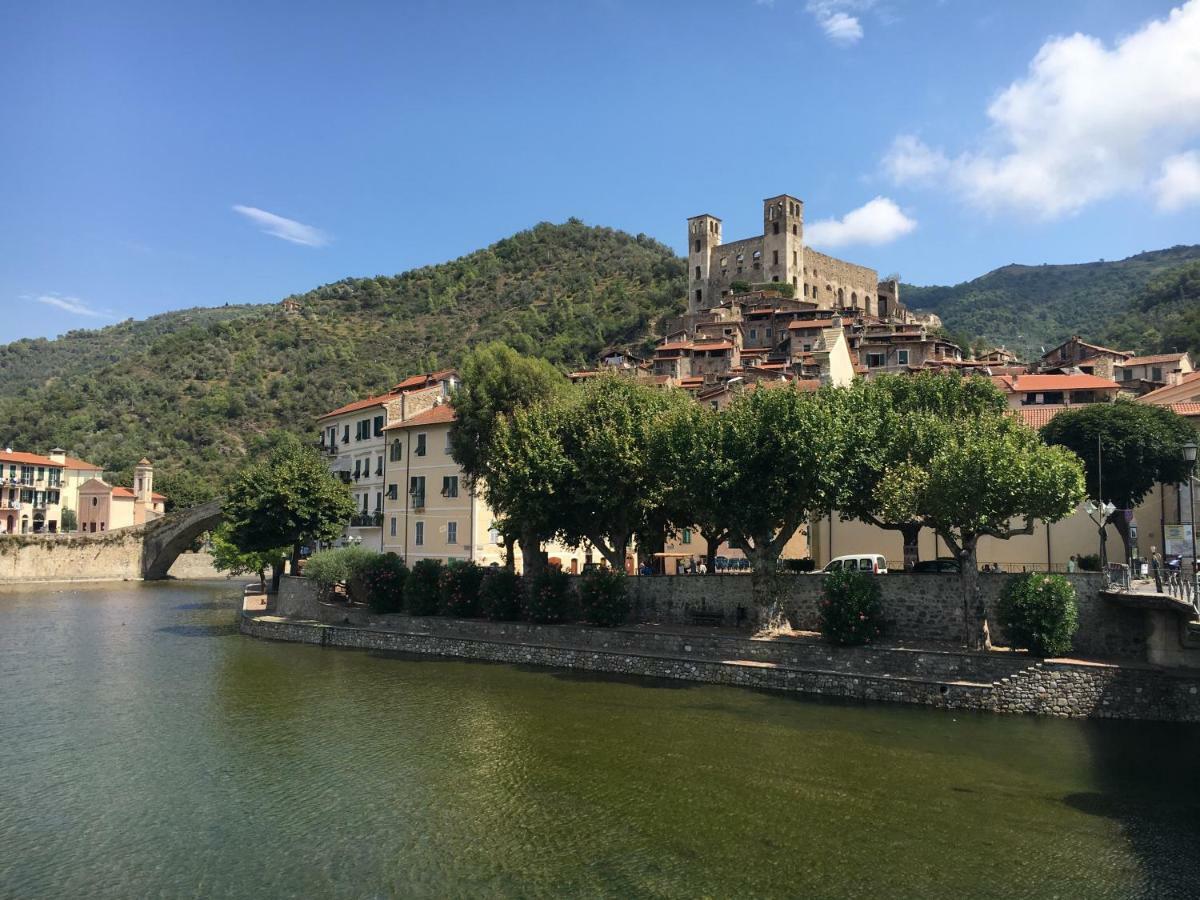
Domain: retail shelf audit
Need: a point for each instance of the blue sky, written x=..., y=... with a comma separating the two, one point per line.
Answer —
x=164, y=155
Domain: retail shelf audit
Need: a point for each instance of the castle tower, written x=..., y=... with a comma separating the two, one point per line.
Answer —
x=783, y=241
x=704, y=233
x=143, y=481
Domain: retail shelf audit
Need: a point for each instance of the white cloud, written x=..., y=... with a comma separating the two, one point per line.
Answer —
x=286, y=229
x=72, y=305
x=878, y=222
x=835, y=19
x=1086, y=123
x=1179, y=184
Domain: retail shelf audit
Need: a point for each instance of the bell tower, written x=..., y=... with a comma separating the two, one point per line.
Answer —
x=783, y=241
x=143, y=481
x=704, y=233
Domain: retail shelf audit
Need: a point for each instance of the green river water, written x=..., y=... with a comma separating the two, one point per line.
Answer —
x=149, y=750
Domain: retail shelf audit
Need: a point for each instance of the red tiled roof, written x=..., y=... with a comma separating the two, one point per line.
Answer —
x=359, y=404
x=1037, y=416
x=1043, y=383
x=1186, y=409
x=419, y=381
x=158, y=496
x=1150, y=360
x=678, y=345
x=123, y=492
x=29, y=459
x=810, y=323
x=438, y=415
x=714, y=345
x=1153, y=396
x=72, y=463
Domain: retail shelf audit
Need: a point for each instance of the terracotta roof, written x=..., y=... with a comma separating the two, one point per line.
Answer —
x=1186, y=409
x=1150, y=360
x=714, y=345
x=72, y=463
x=438, y=415
x=123, y=492
x=1041, y=383
x=810, y=323
x=29, y=459
x=1037, y=416
x=1191, y=378
x=418, y=381
x=1089, y=346
x=359, y=404
x=158, y=496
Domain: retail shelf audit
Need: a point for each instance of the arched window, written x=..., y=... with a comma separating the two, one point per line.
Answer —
x=841, y=298
x=854, y=299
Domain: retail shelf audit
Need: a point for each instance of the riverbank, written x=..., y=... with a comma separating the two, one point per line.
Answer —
x=993, y=682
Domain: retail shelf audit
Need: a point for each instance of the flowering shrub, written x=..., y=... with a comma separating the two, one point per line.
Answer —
x=500, y=595
x=459, y=583
x=548, y=596
x=422, y=588
x=603, y=597
x=851, y=609
x=384, y=578
x=1038, y=613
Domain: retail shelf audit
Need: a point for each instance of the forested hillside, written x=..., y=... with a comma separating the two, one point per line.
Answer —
x=1027, y=307
x=190, y=389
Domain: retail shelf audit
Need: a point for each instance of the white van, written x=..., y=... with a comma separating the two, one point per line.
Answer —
x=870, y=563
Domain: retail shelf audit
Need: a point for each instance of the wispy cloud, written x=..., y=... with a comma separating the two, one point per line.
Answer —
x=1087, y=122
x=72, y=305
x=285, y=229
x=839, y=18
x=880, y=221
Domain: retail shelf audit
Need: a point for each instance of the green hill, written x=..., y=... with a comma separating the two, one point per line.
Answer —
x=190, y=389
x=1027, y=307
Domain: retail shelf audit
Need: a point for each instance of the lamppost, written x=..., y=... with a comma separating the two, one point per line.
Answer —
x=1189, y=457
x=1105, y=509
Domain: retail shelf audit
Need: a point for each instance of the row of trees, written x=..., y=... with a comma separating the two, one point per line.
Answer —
x=612, y=461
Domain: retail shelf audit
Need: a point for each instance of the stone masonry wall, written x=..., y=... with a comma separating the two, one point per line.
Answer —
x=111, y=556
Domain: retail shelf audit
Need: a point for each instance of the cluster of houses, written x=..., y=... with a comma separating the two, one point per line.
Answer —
x=37, y=491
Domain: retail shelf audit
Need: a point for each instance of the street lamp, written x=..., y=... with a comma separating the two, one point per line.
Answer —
x=1105, y=510
x=1189, y=457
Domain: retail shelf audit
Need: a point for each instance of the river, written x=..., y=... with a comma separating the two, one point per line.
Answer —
x=149, y=750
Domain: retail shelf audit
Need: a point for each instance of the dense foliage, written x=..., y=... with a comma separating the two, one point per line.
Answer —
x=384, y=577
x=604, y=597
x=228, y=558
x=501, y=595
x=1165, y=317
x=460, y=582
x=549, y=596
x=336, y=567
x=423, y=588
x=851, y=608
x=1038, y=613
x=192, y=389
x=1028, y=307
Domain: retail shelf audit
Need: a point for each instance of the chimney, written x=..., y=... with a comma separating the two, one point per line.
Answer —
x=58, y=454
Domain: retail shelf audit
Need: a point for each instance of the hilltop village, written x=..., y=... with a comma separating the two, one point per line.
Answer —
x=763, y=312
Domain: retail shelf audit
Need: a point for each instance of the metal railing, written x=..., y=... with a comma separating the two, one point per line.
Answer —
x=1182, y=587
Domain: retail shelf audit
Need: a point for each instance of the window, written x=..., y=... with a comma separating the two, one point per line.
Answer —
x=95, y=500
x=393, y=527
x=687, y=535
x=397, y=449
x=740, y=257
x=697, y=245
x=724, y=261
x=775, y=228
x=757, y=255
x=795, y=230
x=365, y=497
x=902, y=357
x=393, y=491
x=450, y=486
x=378, y=428
x=379, y=465
x=379, y=501
x=419, y=534
x=449, y=448
x=416, y=487
x=808, y=348
x=1156, y=373
x=754, y=334
x=451, y=532
x=357, y=469
x=875, y=360
x=420, y=451
x=699, y=295
x=346, y=434
x=697, y=271
x=1127, y=375
x=493, y=536
x=768, y=332
x=774, y=257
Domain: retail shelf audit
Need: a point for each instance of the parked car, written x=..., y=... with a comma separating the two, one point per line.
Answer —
x=871, y=563
x=944, y=565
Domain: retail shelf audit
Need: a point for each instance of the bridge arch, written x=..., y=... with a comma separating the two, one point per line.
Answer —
x=169, y=536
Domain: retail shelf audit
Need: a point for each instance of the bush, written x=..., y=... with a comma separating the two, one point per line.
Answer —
x=342, y=565
x=422, y=588
x=604, y=597
x=1038, y=613
x=384, y=579
x=548, y=596
x=500, y=595
x=798, y=565
x=1089, y=562
x=459, y=583
x=851, y=610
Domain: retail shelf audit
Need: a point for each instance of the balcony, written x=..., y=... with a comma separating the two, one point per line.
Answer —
x=366, y=520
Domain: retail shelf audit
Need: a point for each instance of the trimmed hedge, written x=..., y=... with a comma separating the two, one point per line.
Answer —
x=341, y=565
x=422, y=588
x=500, y=595
x=1039, y=613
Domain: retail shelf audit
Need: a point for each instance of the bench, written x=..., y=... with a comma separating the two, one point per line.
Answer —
x=705, y=616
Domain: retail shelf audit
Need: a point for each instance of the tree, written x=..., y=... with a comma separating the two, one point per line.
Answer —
x=228, y=558
x=877, y=441
x=684, y=446
x=972, y=479
x=68, y=521
x=287, y=498
x=1126, y=449
x=497, y=381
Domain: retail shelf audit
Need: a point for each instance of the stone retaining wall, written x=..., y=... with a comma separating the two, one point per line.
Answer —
x=112, y=556
x=1045, y=688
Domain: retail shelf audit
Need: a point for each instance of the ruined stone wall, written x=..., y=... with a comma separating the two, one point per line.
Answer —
x=108, y=556
x=829, y=274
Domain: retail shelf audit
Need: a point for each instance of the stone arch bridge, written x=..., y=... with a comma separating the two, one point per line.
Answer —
x=131, y=554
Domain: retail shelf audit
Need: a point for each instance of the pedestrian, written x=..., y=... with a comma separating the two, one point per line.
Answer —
x=1072, y=563
x=702, y=568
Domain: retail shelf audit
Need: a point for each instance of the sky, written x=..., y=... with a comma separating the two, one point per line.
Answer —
x=156, y=156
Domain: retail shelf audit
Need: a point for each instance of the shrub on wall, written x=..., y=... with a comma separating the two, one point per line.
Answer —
x=460, y=589
x=500, y=595
x=548, y=596
x=604, y=597
x=422, y=588
x=1039, y=613
x=1089, y=562
x=341, y=565
x=851, y=608
x=384, y=578
x=807, y=564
